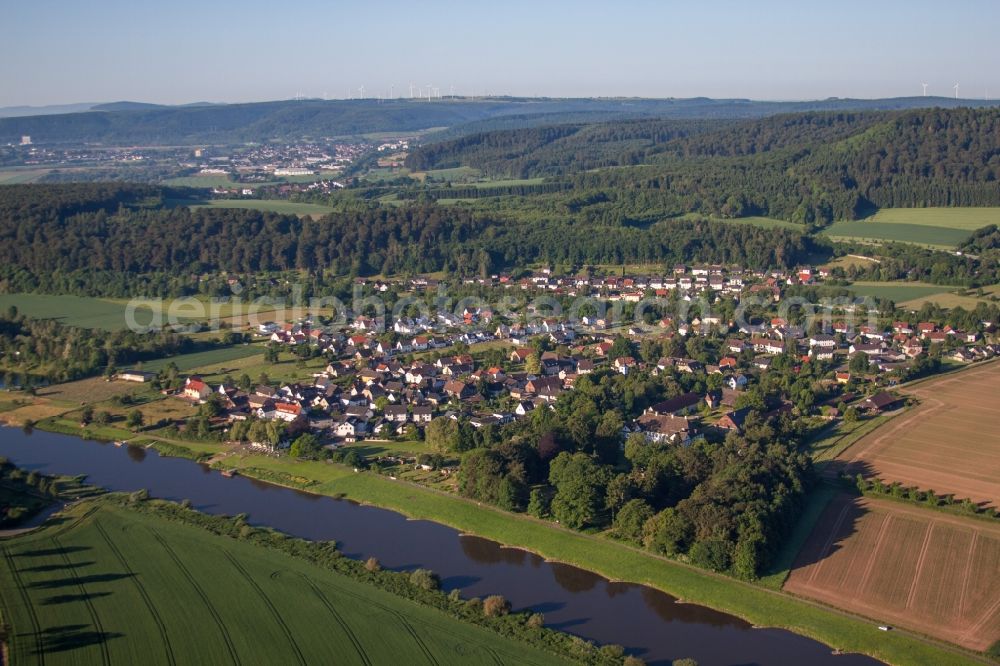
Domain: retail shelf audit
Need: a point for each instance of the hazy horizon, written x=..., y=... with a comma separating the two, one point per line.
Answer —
x=227, y=52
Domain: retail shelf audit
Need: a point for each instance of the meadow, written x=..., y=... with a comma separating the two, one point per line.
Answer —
x=264, y=205
x=103, y=313
x=109, y=313
x=19, y=176
x=942, y=228
x=107, y=584
x=755, y=220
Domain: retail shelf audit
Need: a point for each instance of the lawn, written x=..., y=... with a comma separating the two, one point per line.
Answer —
x=264, y=205
x=943, y=228
x=106, y=584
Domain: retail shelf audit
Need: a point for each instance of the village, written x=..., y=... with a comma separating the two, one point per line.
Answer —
x=389, y=378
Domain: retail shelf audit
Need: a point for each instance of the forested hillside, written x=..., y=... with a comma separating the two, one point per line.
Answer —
x=137, y=124
x=38, y=239
x=810, y=168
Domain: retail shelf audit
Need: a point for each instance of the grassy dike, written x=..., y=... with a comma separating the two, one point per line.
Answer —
x=613, y=560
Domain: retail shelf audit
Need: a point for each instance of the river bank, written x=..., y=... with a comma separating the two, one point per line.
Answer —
x=612, y=560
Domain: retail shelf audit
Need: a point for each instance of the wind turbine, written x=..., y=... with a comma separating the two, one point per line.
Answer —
x=956, y=91
x=925, y=89
x=411, y=89
x=362, y=91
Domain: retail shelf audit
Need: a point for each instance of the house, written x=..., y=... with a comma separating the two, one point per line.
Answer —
x=843, y=377
x=733, y=420
x=624, y=364
x=682, y=404
x=879, y=402
x=665, y=428
x=869, y=349
x=736, y=382
x=423, y=414
x=521, y=354
x=458, y=389
x=523, y=407
x=396, y=413
x=287, y=411
x=913, y=347
x=197, y=390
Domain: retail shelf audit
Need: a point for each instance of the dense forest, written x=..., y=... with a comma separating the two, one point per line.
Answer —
x=811, y=168
x=39, y=239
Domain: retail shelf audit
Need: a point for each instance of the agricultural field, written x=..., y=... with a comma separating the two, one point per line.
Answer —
x=265, y=205
x=206, y=181
x=106, y=584
x=950, y=443
x=103, y=313
x=185, y=362
x=20, y=176
x=920, y=569
x=897, y=292
x=941, y=228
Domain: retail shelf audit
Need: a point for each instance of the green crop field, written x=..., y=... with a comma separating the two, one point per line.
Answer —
x=106, y=314
x=186, y=362
x=112, y=585
x=897, y=291
x=933, y=227
x=265, y=205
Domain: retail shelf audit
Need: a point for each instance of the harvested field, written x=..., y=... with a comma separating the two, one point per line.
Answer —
x=950, y=443
x=920, y=569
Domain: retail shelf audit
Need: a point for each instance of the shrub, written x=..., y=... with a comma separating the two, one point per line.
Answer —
x=495, y=606
x=425, y=579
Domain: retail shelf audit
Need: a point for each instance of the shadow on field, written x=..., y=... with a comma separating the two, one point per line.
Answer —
x=79, y=580
x=838, y=522
x=56, y=567
x=48, y=552
x=71, y=637
x=73, y=598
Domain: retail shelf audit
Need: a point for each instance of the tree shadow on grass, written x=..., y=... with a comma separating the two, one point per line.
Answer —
x=70, y=637
x=79, y=580
x=73, y=598
x=48, y=552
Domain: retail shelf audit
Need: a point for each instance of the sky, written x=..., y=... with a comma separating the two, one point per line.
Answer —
x=65, y=51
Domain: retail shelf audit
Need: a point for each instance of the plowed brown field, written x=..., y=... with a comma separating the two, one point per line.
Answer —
x=920, y=569
x=950, y=443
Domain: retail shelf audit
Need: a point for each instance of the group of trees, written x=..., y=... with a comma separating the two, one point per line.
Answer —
x=726, y=506
x=49, y=349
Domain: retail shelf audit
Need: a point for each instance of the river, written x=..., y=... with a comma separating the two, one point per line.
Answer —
x=649, y=623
